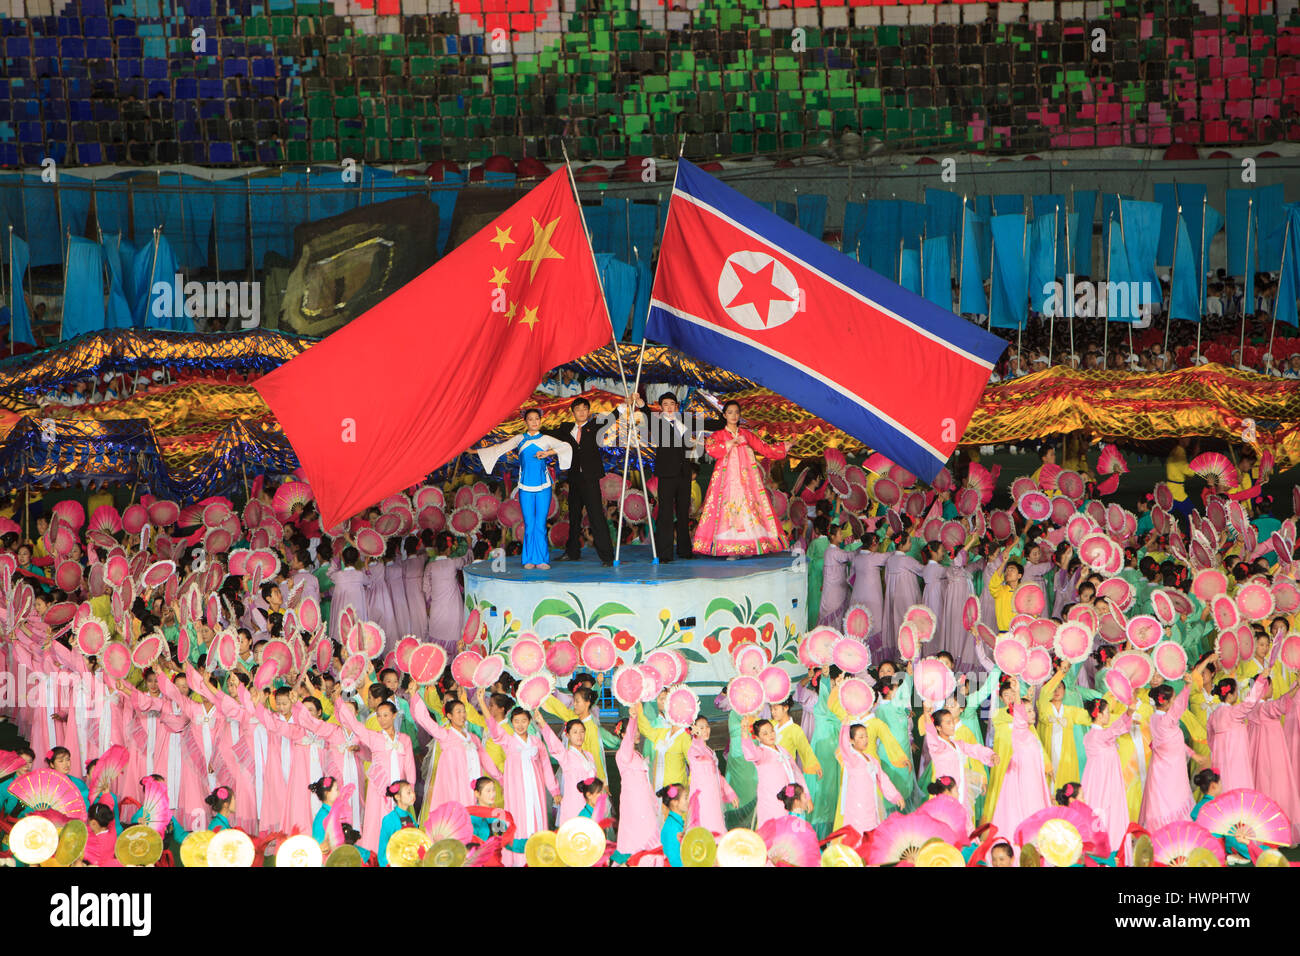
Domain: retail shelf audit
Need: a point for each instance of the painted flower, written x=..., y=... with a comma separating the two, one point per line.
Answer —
x=688, y=637
x=741, y=635
x=624, y=641
x=664, y=615
x=580, y=637
x=712, y=644
x=768, y=630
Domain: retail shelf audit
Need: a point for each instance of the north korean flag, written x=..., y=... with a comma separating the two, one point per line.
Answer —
x=742, y=289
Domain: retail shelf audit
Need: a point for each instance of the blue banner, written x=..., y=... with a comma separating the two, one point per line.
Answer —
x=1042, y=261
x=936, y=271
x=83, y=295
x=20, y=327
x=812, y=213
x=1184, y=289
x=976, y=246
x=1010, y=305
x=1085, y=209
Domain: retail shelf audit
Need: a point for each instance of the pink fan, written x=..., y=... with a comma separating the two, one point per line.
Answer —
x=309, y=614
x=279, y=653
x=463, y=667
x=464, y=520
x=353, y=670
x=1029, y=599
x=487, y=506
x=599, y=653
x=163, y=513
x=909, y=644
x=750, y=659
x=1289, y=652
x=1255, y=601
x=1248, y=816
x=157, y=573
x=1119, y=686
x=1209, y=583
x=370, y=542
x=887, y=492
x=464, y=496
x=1144, y=631
x=1286, y=596
x=790, y=841
x=534, y=690
x=1117, y=591
x=289, y=496
x=1070, y=484
x=745, y=694
x=664, y=665
x=951, y=535
x=776, y=683
x=682, y=707
x=562, y=658
x=225, y=650
x=966, y=502
x=488, y=670
x=922, y=619
x=943, y=481
x=1225, y=612
x=1173, y=844
x=1095, y=551
x=856, y=697
x=59, y=614
x=238, y=561
x=629, y=686
x=147, y=651
x=67, y=575
x=821, y=644
x=851, y=656
x=322, y=654
x=1010, y=655
x=92, y=635
x=373, y=639
x=858, y=623
x=1111, y=626
x=427, y=663
x=1072, y=642
x=266, y=674
x=1062, y=510
x=1042, y=632
x=1038, y=666
x=970, y=612
x=1134, y=665
x=387, y=525
x=1022, y=485
x=473, y=623
x=403, y=651
x=433, y=519
x=559, y=533
x=218, y=541
x=105, y=518
x=527, y=656
x=839, y=483
x=1170, y=660
x=1077, y=528
x=1163, y=606
x=1001, y=525
x=1228, y=651
x=1035, y=506
x=116, y=658
x=933, y=680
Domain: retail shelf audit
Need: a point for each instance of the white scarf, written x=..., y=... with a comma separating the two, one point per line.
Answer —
x=662, y=746
x=534, y=814
x=472, y=765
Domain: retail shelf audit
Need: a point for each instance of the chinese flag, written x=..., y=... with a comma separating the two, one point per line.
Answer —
x=404, y=388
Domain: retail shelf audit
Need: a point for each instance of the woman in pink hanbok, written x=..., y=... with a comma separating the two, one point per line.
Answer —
x=1229, y=735
x=949, y=756
x=527, y=777
x=349, y=591
x=272, y=753
x=864, y=785
x=775, y=767
x=575, y=763
x=638, y=808
x=1270, y=759
x=232, y=758
x=737, y=518
x=198, y=746
x=395, y=582
x=709, y=789
x=1024, y=789
x=462, y=759
x=391, y=760
x=1167, y=796
x=413, y=583
x=442, y=594
x=379, y=602
x=1103, y=784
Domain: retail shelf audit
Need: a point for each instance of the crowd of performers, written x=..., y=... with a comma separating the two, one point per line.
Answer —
x=245, y=671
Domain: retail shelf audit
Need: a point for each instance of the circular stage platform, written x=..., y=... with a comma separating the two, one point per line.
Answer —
x=703, y=607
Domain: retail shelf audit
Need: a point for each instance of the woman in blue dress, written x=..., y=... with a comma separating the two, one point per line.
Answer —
x=534, y=481
x=398, y=818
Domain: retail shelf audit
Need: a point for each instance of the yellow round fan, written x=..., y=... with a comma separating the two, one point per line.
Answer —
x=1200, y=856
x=33, y=840
x=1271, y=857
x=540, y=850
x=231, y=848
x=445, y=853
x=346, y=856
x=580, y=842
x=140, y=845
x=72, y=843
x=938, y=853
x=194, y=849
x=837, y=854
x=699, y=847
x=741, y=847
x=1059, y=843
x=405, y=845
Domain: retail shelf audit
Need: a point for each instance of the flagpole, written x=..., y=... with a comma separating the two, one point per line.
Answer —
x=9, y=299
x=1201, y=274
x=1069, y=274
x=1020, y=323
x=622, y=373
x=63, y=312
x=1173, y=269
x=1051, y=318
x=961, y=254
x=1250, y=247
x=1286, y=238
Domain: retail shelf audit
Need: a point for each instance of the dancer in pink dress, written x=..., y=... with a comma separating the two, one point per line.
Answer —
x=1103, y=780
x=1167, y=797
x=737, y=518
x=1229, y=734
x=864, y=786
x=391, y=760
x=199, y=747
x=1275, y=774
x=462, y=760
x=575, y=763
x=638, y=813
x=709, y=789
x=527, y=776
x=775, y=767
x=232, y=757
x=1024, y=789
x=949, y=756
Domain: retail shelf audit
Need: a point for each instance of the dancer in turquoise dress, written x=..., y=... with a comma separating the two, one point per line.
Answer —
x=398, y=818
x=326, y=790
x=534, y=481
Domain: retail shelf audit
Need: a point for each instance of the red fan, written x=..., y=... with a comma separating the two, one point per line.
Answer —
x=527, y=656
x=1164, y=497
x=1225, y=612
x=562, y=658
x=744, y=693
x=218, y=541
x=1248, y=816
x=855, y=501
x=599, y=653
x=1047, y=475
x=487, y=506
x=353, y=670
x=750, y=659
x=238, y=561
x=465, y=521
x=370, y=542
x=1111, y=462
x=158, y=573
x=1170, y=660
x=1255, y=601
x=1011, y=655
x=47, y=789
x=1144, y=632
x=163, y=513
x=851, y=656
x=1134, y=665
x=433, y=519
x=1001, y=525
x=790, y=841
x=682, y=707
x=781, y=501
x=857, y=622
x=1215, y=468
x=1072, y=642
x=887, y=492
x=59, y=614
x=266, y=674
x=278, y=652
x=901, y=475
x=1160, y=520
x=951, y=535
x=914, y=504
x=473, y=623
x=635, y=507
x=288, y=496
x=463, y=667
x=393, y=502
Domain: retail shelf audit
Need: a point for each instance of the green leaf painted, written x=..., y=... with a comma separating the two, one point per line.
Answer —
x=764, y=609
x=693, y=655
x=554, y=607
x=722, y=604
x=606, y=610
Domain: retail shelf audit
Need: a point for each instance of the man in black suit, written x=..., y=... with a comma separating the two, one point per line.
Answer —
x=673, y=444
x=584, y=484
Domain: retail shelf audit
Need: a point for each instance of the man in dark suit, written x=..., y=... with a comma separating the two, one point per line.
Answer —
x=675, y=448
x=584, y=484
